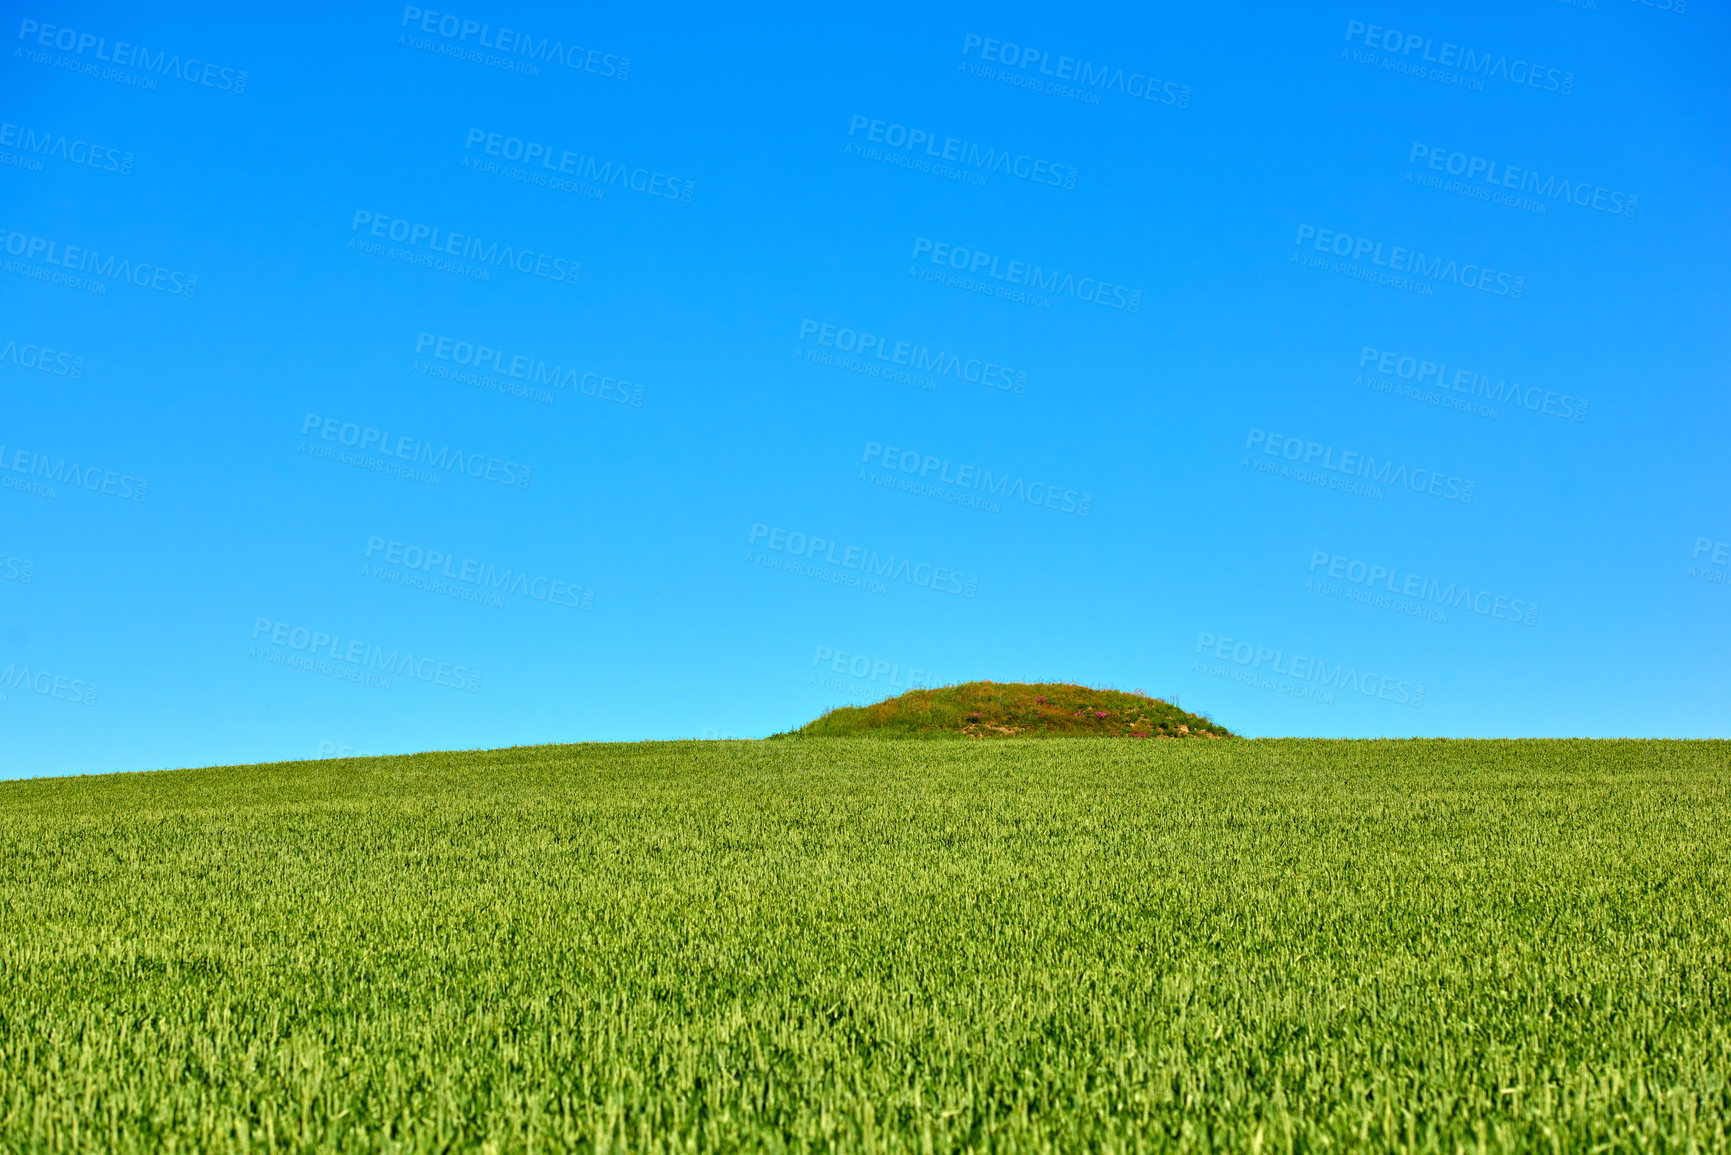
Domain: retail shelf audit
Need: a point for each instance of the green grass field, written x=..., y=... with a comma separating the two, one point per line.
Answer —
x=867, y=945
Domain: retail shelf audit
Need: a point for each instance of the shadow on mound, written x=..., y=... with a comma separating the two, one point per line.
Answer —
x=1013, y=710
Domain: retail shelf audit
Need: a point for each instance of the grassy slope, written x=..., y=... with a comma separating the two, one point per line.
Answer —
x=1009, y=709
x=870, y=944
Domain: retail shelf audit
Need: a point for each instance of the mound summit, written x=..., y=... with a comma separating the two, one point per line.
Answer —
x=1013, y=710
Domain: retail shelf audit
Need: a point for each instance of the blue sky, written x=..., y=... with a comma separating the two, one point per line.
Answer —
x=391, y=378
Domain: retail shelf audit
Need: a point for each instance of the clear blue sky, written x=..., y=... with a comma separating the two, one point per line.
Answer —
x=386, y=378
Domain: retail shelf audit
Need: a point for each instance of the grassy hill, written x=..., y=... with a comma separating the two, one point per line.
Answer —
x=877, y=945
x=1014, y=709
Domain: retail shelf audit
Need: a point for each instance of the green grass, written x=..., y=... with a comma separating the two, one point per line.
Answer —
x=875, y=945
x=1013, y=709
